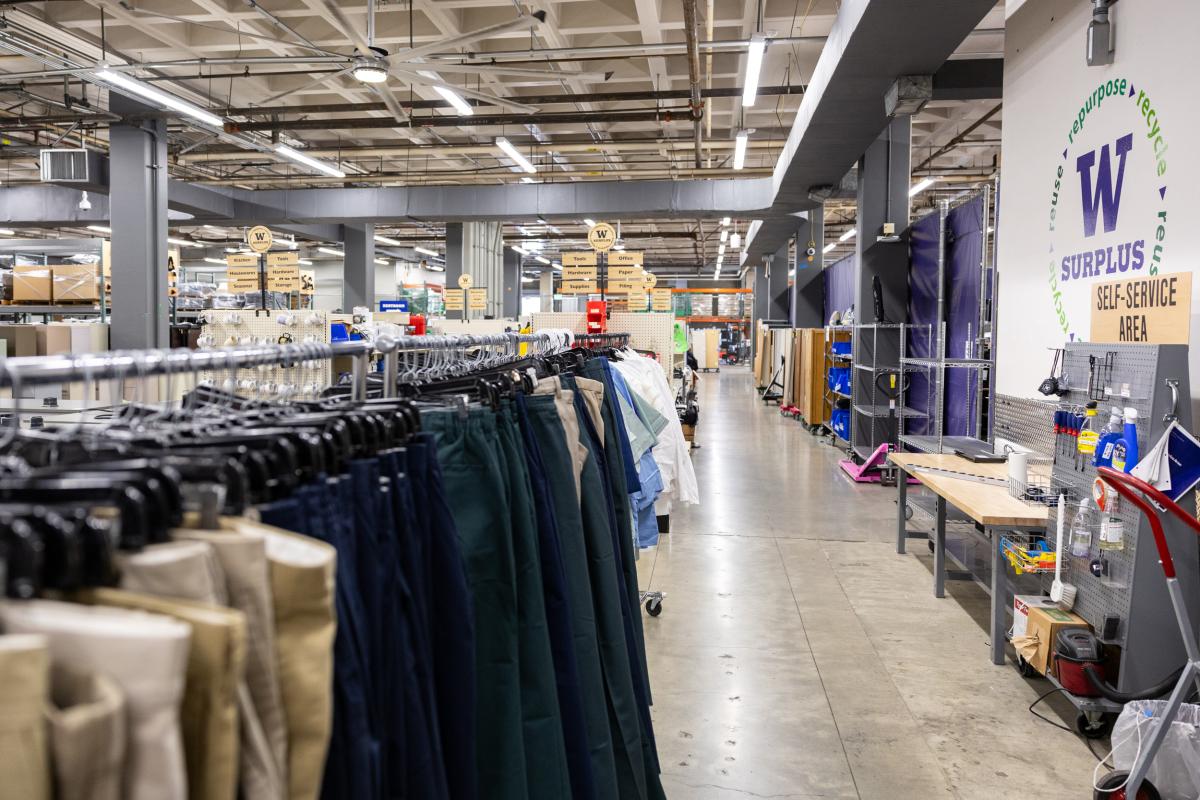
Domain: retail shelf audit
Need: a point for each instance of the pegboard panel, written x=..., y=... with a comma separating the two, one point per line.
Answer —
x=654, y=331
x=233, y=328
x=1025, y=422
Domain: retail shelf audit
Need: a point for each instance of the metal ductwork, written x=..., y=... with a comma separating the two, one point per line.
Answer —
x=691, y=27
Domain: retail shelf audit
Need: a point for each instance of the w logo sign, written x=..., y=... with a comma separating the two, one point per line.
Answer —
x=1105, y=195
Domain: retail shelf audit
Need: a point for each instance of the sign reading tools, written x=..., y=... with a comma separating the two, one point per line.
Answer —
x=602, y=237
x=1154, y=309
x=587, y=259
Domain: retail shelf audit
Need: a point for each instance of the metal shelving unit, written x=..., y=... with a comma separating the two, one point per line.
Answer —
x=836, y=333
x=875, y=417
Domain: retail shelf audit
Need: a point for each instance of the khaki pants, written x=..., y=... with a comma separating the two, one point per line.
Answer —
x=147, y=656
x=564, y=404
x=87, y=734
x=24, y=687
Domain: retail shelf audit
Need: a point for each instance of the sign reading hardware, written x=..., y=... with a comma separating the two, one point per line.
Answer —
x=453, y=298
x=625, y=258
x=283, y=259
x=283, y=279
x=477, y=299
x=577, y=287
x=259, y=238
x=579, y=273
x=1154, y=309
x=626, y=286
x=661, y=299
x=624, y=273
x=242, y=279
x=602, y=237
x=579, y=259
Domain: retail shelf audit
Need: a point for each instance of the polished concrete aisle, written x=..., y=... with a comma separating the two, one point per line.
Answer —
x=798, y=656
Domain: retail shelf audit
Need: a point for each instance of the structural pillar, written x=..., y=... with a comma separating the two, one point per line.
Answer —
x=358, y=268
x=779, y=299
x=546, y=289
x=511, y=307
x=808, y=289
x=883, y=183
x=454, y=263
x=138, y=217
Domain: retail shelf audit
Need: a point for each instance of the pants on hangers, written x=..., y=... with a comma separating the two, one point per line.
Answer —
x=86, y=721
x=24, y=691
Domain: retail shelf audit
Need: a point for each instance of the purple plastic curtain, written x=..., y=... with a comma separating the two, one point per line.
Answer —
x=964, y=251
x=839, y=286
x=922, y=311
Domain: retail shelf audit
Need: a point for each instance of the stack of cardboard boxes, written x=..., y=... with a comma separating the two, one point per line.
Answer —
x=52, y=339
x=61, y=283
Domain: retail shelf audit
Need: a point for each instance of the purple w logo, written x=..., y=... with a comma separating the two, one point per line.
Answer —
x=1105, y=195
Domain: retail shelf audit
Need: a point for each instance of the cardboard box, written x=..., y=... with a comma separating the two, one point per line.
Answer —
x=1021, y=605
x=32, y=285
x=75, y=283
x=21, y=340
x=1043, y=625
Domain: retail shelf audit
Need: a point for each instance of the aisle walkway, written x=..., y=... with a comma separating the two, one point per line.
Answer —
x=798, y=656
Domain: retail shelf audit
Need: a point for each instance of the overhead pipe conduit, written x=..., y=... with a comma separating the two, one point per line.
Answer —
x=691, y=27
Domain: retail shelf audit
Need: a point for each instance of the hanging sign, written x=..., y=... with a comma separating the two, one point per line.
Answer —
x=259, y=238
x=453, y=298
x=465, y=281
x=602, y=237
x=287, y=259
x=477, y=298
x=579, y=259
x=649, y=280
x=1154, y=309
x=577, y=287
x=625, y=258
x=579, y=273
x=241, y=260
x=625, y=286
x=283, y=279
x=625, y=273
x=242, y=279
x=637, y=301
x=308, y=281
x=661, y=300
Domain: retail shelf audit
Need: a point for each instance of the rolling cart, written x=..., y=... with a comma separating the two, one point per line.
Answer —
x=1132, y=785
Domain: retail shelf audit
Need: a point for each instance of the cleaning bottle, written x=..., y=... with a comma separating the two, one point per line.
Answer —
x=1085, y=445
x=1081, y=534
x=1125, y=452
x=1108, y=440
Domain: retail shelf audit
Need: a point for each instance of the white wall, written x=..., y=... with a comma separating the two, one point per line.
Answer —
x=329, y=276
x=1046, y=83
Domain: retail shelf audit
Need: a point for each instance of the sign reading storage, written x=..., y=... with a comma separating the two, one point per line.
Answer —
x=1155, y=309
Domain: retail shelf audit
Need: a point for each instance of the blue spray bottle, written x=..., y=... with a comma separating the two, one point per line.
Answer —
x=1108, y=440
x=1125, y=453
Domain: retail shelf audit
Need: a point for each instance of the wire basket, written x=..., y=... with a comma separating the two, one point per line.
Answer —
x=1040, y=487
x=1028, y=555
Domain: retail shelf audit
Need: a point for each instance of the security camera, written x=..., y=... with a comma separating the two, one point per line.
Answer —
x=84, y=203
x=811, y=251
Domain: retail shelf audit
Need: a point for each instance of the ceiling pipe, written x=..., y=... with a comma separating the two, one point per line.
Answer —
x=666, y=115
x=491, y=177
x=691, y=28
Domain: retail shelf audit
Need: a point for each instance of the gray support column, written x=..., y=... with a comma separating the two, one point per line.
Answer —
x=756, y=278
x=779, y=300
x=546, y=289
x=454, y=264
x=358, y=269
x=883, y=183
x=808, y=287
x=512, y=284
x=138, y=216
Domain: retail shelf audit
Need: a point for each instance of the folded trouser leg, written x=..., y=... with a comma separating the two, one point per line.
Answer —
x=24, y=688
x=87, y=728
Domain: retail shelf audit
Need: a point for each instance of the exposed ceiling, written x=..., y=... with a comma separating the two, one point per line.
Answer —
x=598, y=91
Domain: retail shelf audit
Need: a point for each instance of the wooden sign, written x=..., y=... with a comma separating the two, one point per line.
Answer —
x=602, y=237
x=259, y=238
x=625, y=286
x=465, y=281
x=637, y=301
x=650, y=280
x=579, y=259
x=477, y=299
x=625, y=258
x=287, y=259
x=577, y=287
x=242, y=279
x=308, y=281
x=283, y=279
x=579, y=273
x=661, y=300
x=625, y=273
x=1155, y=309
x=454, y=300
x=241, y=260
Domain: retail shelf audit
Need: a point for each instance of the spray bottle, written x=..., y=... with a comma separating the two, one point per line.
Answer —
x=1108, y=440
x=1125, y=452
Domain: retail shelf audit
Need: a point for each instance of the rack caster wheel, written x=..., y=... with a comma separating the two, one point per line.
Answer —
x=907, y=509
x=1026, y=669
x=1112, y=787
x=654, y=606
x=929, y=544
x=1095, y=730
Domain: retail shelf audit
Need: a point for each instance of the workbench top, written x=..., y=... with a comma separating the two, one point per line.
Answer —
x=987, y=504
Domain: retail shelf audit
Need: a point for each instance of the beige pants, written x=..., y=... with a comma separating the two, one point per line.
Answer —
x=564, y=404
x=147, y=656
x=88, y=732
x=24, y=688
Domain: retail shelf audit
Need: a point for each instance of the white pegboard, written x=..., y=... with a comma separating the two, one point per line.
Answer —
x=653, y=331
x=234, y=328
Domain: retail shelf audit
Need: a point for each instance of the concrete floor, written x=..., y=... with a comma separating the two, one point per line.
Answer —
x=798, y=656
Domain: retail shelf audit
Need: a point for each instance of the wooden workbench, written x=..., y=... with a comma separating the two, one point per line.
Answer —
x=988, y=504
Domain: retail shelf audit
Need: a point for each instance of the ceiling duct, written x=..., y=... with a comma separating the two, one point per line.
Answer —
x=908, y=95
x=80, y=167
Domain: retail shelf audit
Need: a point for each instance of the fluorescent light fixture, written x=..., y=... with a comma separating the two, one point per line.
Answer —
x=721, y=250
x=212, y=227
x=306, y=262
x=451, y=97
x=159, y=97
x=434, y=268
x=523, y=230
x=720, y=260
x=921, y=186
x=618, y=247
x=214, y=260
x=427, y=251
x=542, y=260
x=725, y=221
x=381, y=262
x=520, y=250
x=231, y=250
x=527, y=179
x=99, y=228
x=368, y=70
x=591, y=223
x=526, y=279
x=735, y=241
x=717, y=274
x=388, y=241
x=739, y=149
x=754, y=58
x=308, y=161
x=532, y=244
x=848, y=235
x=511, y=152
x=7, y=232
x=557, y=266
x=329, y=251
x=724, y=235
x=829, y=247
x=183, y=242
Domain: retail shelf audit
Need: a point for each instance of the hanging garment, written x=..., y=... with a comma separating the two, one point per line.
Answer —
x=641, y=442
x=147, y=656
x=87, y=728
x=24, y=691
x=564, y=404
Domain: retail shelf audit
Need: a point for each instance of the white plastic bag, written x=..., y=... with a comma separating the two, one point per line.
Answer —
x=1175, y=770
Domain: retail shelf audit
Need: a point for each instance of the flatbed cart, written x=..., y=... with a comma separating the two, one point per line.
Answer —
x=1132, y=785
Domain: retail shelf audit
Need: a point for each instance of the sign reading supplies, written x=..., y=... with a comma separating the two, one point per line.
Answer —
x=1155, y=309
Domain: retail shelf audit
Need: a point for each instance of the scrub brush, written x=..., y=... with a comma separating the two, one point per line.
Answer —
x=1061, y=593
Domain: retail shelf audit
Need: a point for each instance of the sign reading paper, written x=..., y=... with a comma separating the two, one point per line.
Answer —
x=626, y=286
x=1155, y=309
x=661, y=300
x=577, y=287
x=242, y=279
x=453, y=298
x=624, y=273
x=477, y=299
x=283, y=279
x=579, y=273
x=625, y=258
x=579, y=259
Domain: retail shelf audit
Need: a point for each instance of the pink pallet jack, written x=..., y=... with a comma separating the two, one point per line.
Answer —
x=871, y=470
